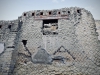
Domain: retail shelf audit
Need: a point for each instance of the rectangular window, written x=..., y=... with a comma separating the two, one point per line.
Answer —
x=50, y=26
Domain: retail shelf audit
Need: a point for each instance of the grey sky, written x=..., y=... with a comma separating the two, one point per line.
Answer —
x=11, y=9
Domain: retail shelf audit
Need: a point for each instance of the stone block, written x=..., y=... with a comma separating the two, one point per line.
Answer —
x=42, y=57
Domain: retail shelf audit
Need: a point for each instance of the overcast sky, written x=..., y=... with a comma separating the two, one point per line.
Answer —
x=11, y=9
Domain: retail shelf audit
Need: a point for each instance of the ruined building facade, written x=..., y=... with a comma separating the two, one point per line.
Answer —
x=50, y=42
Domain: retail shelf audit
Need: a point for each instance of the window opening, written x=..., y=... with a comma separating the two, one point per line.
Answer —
x=50, y=26
x=69, y=12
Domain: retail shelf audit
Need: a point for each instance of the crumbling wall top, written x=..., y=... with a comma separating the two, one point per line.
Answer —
x=54, y=12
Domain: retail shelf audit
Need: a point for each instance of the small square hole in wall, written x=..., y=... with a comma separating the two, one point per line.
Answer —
x=50, y=13
x=24, y=42
x=78, y=11
x=58, y=12
x=24, y=14
x=0, y=26
x=41, y=13
x=9, y=26
x=33, y=14
x=68, y=12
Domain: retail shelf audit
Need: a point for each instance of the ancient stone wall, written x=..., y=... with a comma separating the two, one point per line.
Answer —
x=74, y=43
x=51, y=42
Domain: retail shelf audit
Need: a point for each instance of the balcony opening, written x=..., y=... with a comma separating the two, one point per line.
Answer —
x=32, y=14
x=50, y=27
